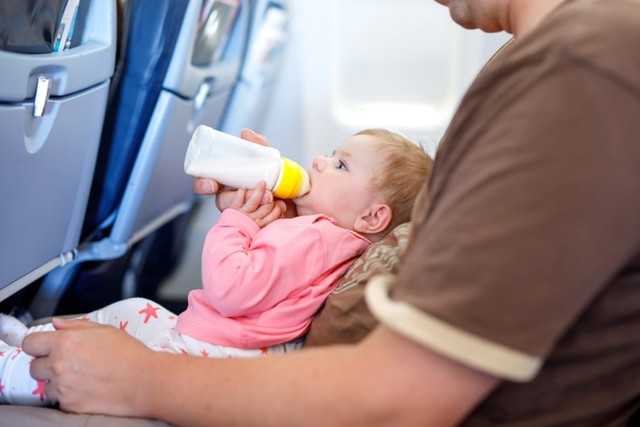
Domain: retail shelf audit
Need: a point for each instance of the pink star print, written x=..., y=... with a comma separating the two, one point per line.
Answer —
x=264, y=350
x=40, y=390
x=150, y=311
x=204, y=353
x=123, y=326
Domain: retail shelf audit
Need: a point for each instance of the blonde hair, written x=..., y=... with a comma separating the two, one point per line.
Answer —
x=406, y=170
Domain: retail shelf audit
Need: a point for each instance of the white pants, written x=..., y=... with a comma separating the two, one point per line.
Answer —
x=141, y=318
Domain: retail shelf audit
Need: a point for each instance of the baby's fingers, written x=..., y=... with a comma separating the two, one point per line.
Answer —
x=254, y=199
x=266, y=214
x=238, y=198
x=276, y=213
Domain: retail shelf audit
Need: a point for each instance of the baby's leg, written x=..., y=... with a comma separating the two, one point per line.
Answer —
x=139, y=317
x=16, y=384
x=173, y=342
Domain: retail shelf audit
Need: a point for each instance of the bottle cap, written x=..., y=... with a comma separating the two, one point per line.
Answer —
x=294, y=181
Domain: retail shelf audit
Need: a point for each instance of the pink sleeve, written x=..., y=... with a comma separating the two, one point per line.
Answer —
x=247, y=270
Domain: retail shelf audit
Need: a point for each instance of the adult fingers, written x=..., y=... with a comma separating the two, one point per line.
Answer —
x=250, y=135
x=41, y=369
x=38, y=343
x=60, y=323
x=205, y=186
x=224, y=199
x=41, y=345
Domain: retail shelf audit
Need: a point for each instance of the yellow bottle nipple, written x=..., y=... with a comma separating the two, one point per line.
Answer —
x=294, y=181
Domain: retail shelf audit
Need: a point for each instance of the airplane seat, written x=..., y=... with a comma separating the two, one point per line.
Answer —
x=250, y=99
x=148, y=31
x=173, y=79
x=52, y=108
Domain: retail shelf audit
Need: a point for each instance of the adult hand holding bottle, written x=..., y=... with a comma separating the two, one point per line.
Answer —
x=225, y=196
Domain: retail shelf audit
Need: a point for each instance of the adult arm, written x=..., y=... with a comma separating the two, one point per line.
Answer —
x=384, y=380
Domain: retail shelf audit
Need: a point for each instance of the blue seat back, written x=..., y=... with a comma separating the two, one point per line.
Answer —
x=150, y=32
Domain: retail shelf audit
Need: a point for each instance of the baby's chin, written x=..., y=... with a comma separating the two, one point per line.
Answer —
x=301, y=207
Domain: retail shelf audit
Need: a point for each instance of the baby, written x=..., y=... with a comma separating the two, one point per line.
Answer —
x=264, y=276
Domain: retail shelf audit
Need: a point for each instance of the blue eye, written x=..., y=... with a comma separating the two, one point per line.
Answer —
x=341, y=165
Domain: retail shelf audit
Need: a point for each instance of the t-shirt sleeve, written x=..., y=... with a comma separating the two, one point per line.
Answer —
x=524, y=200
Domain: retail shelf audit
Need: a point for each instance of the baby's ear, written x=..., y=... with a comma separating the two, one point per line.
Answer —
x=375, y=220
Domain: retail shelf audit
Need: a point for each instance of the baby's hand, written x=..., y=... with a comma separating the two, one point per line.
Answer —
x=263, y=214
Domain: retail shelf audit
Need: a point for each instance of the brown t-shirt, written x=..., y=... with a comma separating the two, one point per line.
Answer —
x=525, y=262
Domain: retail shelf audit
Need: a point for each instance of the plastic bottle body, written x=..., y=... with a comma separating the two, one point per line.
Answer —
x=237, y=163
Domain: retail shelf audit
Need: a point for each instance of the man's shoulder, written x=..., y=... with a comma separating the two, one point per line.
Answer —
x=599, y=29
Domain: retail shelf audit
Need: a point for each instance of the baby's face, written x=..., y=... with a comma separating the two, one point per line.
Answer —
x=342, y=185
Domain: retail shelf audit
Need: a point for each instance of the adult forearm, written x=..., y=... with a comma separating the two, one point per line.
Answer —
x=384, y=380
x=276, y=390
x=370, y=384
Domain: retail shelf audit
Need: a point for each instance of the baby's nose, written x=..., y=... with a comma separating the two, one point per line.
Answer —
x=318, y=163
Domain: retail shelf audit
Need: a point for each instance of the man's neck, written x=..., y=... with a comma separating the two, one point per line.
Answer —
x=525, y=15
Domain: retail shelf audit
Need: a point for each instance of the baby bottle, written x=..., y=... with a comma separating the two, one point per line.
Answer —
x=237, y=163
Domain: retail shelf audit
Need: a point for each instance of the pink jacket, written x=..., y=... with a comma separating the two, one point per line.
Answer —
x=262, y=286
